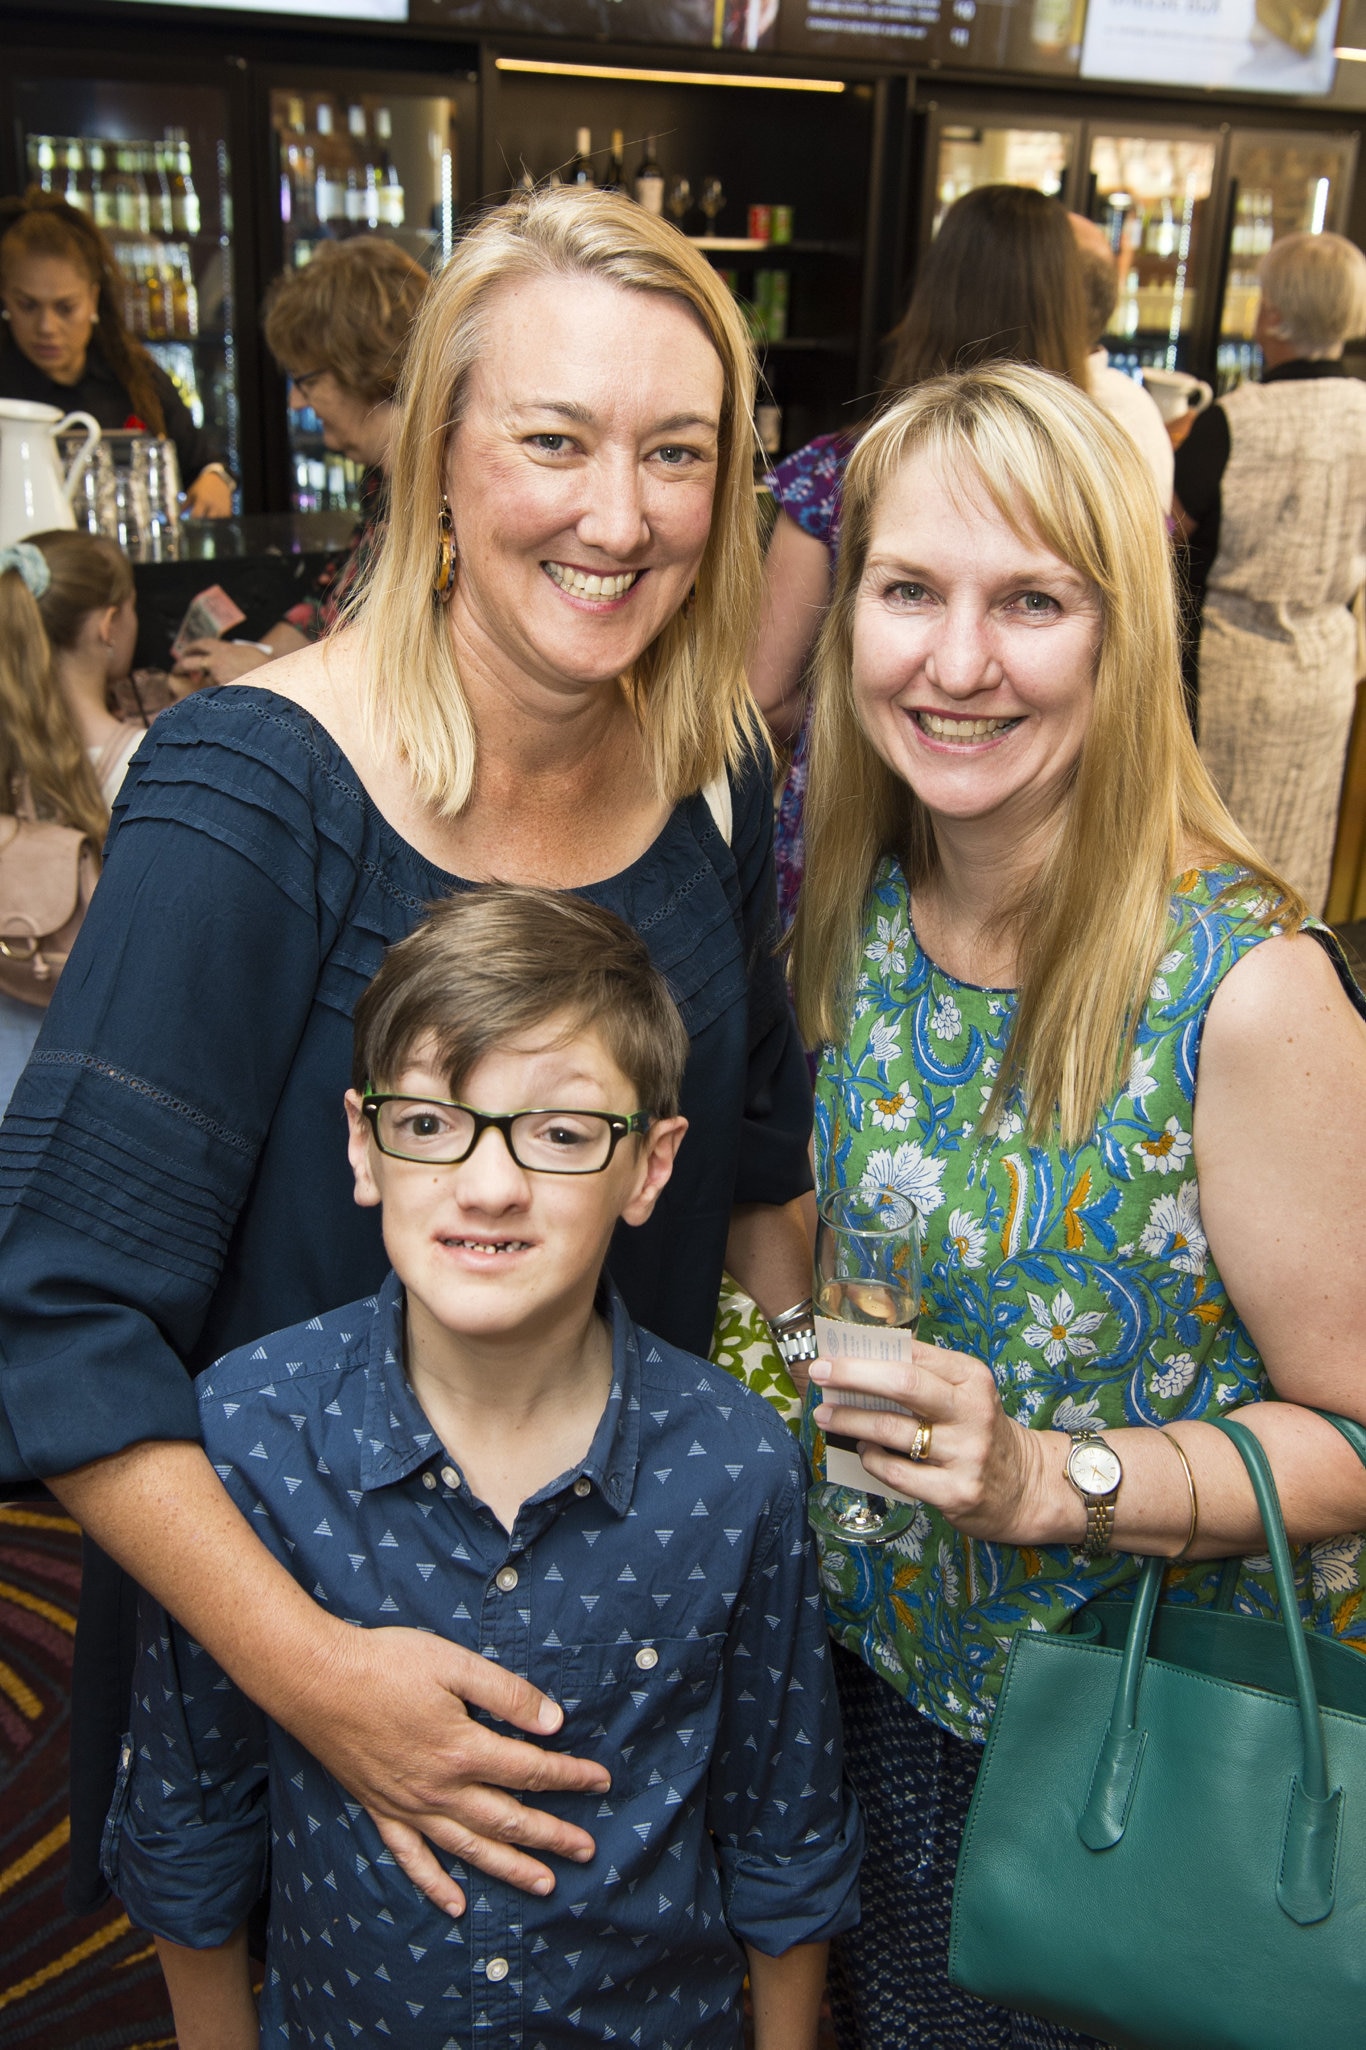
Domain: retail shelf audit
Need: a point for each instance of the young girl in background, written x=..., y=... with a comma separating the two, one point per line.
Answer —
x=68, y=625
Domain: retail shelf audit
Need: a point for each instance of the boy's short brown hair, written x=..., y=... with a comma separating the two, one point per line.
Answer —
x=491, y=964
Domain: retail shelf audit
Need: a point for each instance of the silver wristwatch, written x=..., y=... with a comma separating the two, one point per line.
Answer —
x=794, y=1334
x=1094, y=1470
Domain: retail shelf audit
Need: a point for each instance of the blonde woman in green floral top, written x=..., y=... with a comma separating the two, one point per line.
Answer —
x=1066, y=1008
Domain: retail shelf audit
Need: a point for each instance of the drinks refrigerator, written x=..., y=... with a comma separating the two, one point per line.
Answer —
x=1280, y=183
x=150, y=163
x=1189, y=209
x=361, y=155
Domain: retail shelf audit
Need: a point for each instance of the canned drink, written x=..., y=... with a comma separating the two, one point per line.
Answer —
x=780, y=228
x=760, y=223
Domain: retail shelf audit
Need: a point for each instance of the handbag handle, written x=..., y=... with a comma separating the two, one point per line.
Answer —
x=1355, y=1434
x=1307, y=1866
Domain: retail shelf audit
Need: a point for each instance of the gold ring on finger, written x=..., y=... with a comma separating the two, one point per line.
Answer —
x=920, y=1445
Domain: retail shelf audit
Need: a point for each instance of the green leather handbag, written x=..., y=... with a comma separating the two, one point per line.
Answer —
x=1166, y=1846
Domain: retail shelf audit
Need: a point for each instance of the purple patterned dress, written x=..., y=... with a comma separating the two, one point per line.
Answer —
x=808, y=487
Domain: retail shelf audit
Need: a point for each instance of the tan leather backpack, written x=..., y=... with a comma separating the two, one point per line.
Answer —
x=47, y=875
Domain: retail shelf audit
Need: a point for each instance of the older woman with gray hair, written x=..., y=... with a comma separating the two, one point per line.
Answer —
x=1271, y=494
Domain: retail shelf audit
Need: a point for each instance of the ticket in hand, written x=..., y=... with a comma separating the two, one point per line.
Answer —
x=210, y=615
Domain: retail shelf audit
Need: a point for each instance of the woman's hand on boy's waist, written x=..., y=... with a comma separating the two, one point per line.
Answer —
x=383, y=1709
x=389, y=1720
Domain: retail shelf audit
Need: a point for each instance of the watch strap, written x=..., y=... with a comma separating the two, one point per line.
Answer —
x=794, y=1334
x=1100, y=1509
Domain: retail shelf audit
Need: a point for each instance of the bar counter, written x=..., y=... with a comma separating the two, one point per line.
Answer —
x=265, y=561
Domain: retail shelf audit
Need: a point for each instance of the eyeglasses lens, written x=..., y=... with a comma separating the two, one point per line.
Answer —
x=549, y=1141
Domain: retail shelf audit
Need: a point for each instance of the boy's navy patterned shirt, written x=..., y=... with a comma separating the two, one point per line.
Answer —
x=664, y=1591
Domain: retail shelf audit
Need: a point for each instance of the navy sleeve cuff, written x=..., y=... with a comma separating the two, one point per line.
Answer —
x=809, y=1900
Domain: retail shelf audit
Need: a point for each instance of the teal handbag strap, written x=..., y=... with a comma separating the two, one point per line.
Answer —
x=1304, y=1887
x=1355, y=1434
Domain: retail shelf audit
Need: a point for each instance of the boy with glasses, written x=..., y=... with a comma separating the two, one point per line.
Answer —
x=491, y=1450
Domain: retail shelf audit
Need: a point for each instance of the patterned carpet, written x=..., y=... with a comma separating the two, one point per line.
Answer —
x=87, y=1984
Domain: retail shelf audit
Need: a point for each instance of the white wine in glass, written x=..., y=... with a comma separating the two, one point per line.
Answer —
x=867, y=1275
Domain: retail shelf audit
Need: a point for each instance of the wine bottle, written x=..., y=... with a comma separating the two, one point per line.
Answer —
x=649, y=180
x=184, y=198
x=614, y=177
x=101, y=192
x=159, y=188
x=356, y=167
x=581, y=165
x=389, y=196
x=329, y=189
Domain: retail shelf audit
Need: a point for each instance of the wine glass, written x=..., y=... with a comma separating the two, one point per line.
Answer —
x=711, y=199
x=868, y=1278
x=678, y=198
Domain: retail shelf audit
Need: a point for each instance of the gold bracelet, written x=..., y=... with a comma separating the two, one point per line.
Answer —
x=1190, y=1483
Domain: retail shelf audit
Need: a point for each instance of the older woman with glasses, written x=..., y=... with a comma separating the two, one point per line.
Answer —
x=1271, y=494
x=546, y=686
x=347, y=316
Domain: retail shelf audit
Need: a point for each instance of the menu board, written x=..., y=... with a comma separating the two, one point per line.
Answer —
x=1039, y=36
x=1271, y=46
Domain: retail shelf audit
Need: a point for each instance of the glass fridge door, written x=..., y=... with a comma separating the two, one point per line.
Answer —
x=358, y=162
x=1151, y=194
x=972, y=153
x=149, y=164
x=1282, y=183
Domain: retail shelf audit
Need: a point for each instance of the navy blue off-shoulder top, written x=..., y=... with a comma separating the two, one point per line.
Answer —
x=173, y=1168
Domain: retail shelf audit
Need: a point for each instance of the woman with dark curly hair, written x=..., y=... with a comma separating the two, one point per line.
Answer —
x=67, y=346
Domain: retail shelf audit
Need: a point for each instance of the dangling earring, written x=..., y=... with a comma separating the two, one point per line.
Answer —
x=443, y=583
x=690, y=602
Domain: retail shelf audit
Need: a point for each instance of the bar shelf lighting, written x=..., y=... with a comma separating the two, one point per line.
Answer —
x=754, y=81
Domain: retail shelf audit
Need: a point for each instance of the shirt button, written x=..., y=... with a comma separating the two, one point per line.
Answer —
x=506, y=1578
x=450, y=1477
x=497, y=1968
x=647, y=1658
x=583, y=1487
x=429, y=1480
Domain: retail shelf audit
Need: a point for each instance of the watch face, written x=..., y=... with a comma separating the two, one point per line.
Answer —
x=1094, y=1467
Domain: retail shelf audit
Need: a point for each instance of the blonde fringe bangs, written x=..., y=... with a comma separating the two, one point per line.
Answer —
x=689, y=687
x=1091, y=925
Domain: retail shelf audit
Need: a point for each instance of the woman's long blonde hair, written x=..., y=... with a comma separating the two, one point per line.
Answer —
x=1091, y=923
x=39, y=741
x=688, y=687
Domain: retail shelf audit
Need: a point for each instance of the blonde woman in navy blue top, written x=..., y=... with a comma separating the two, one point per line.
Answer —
x=545, y=685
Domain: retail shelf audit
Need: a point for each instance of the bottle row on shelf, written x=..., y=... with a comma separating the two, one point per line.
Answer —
x=1252, y=234
x=1236, y=363
x=1151, y=227
x=178, y=361
x=1155, y=305
x=330, y=178
x=326, y=482
x=131, y=188
x=648, y=184
x=160, y=298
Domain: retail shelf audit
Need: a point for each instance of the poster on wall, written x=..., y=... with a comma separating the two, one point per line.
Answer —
x=1039, y=36
x=688, y=24
x=315, y=10
x=1271, y=46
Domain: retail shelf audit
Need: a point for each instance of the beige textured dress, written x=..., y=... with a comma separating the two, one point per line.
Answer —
x=1278, y=647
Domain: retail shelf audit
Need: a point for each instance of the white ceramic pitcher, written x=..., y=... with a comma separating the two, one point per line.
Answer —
x=35, y=492
x=1176, y=393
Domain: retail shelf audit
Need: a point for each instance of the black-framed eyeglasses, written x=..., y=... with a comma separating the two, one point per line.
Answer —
x=304, y=379
x=441, y=1134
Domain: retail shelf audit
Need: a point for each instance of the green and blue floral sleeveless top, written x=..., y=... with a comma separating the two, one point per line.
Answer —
x=1082, y=1277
